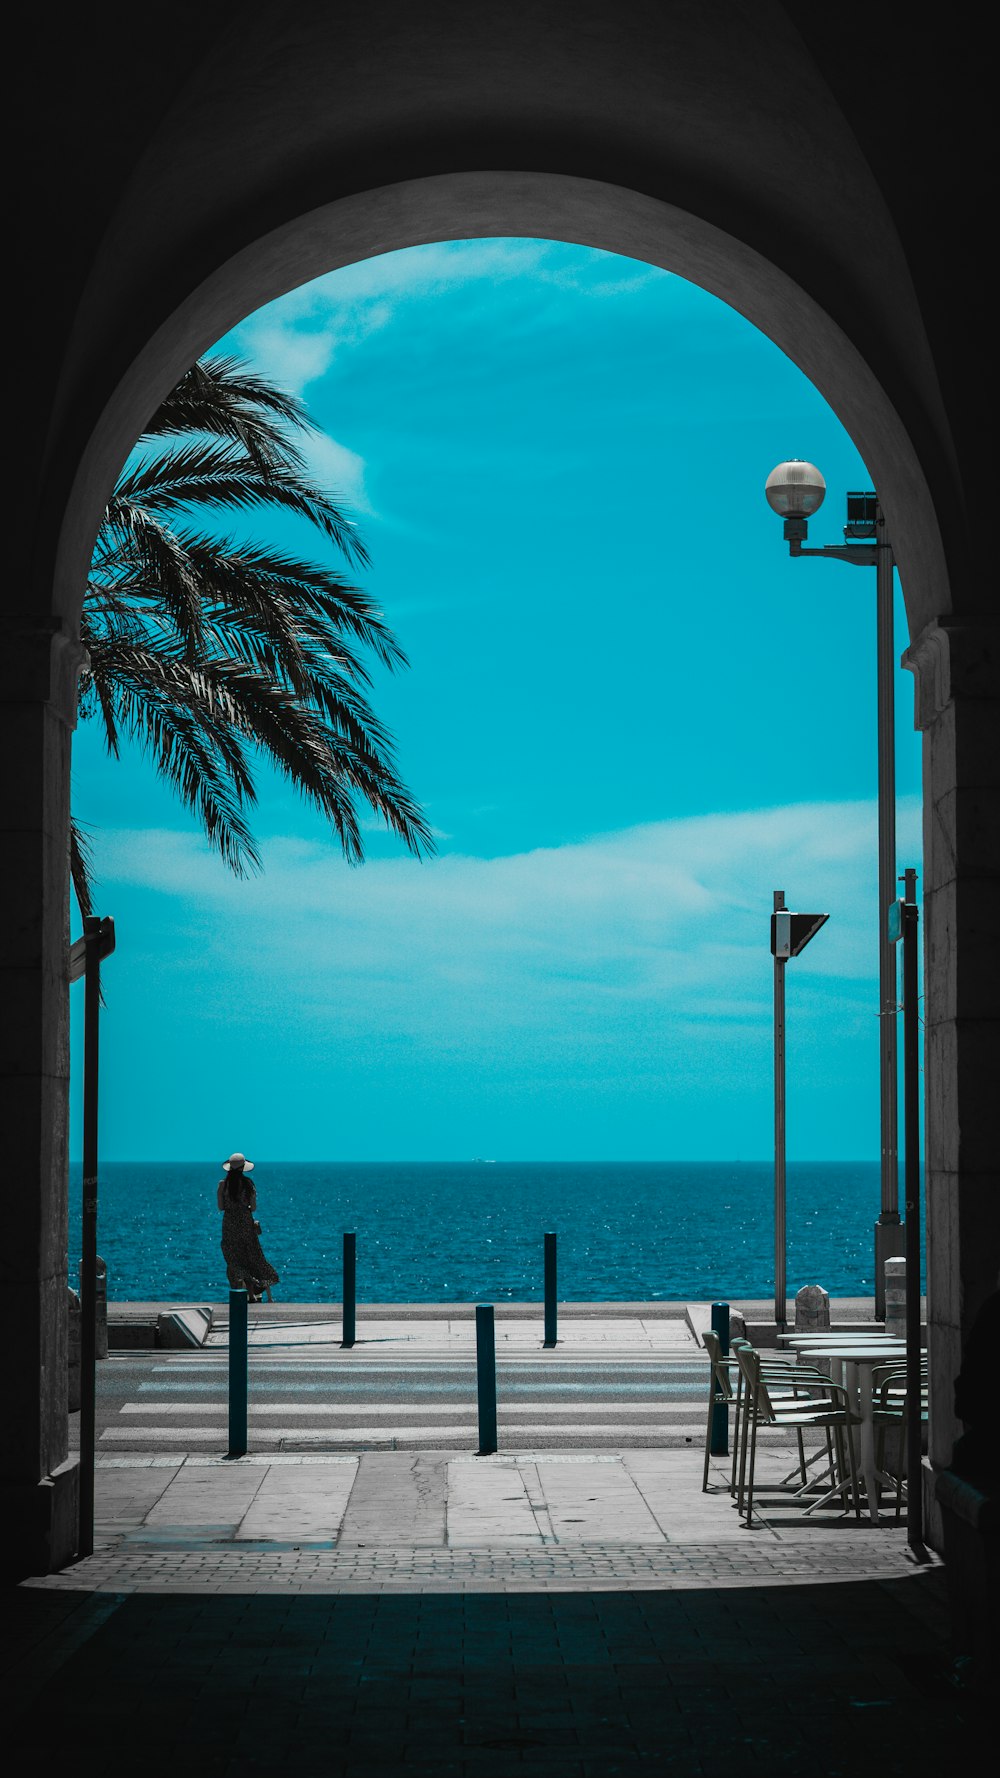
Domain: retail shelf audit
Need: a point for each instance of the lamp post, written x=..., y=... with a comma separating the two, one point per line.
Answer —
x=795, y=490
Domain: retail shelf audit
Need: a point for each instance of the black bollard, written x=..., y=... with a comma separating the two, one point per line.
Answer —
x=350, y=1304
x=237, y=1373
x=486, y=1379
x=720, y=1413
x=551, y=1293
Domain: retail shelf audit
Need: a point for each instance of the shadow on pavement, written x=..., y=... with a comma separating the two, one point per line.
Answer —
x=848, y=1678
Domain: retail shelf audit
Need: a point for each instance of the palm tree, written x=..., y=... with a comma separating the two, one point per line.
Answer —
x=204, y=649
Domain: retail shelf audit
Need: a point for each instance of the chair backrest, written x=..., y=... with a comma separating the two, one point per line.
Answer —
x=749, y=1362
x=720, y=1369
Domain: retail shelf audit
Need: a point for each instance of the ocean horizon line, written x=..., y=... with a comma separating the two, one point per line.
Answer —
x=491, y=1161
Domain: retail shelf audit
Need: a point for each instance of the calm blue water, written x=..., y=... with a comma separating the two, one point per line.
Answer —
x=466, y=1231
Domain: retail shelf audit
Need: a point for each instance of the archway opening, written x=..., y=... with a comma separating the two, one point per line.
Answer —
x=645, y=635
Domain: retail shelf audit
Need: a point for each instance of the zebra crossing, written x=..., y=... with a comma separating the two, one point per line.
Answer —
x=179, y=1403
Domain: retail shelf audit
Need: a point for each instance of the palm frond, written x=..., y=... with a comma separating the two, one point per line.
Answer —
x=150, y=558
x=251, y=576
x=224, y=476
x=222, y=396
x=165, y=681
x=81, y=861
x=204, y=649
x=188, y=756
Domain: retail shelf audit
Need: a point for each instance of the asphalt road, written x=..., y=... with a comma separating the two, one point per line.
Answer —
x=165, y=1403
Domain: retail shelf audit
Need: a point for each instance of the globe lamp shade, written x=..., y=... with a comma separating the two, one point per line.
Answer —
x=795, y=490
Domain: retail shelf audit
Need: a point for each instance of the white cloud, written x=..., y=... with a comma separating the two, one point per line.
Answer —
x=339, y=471
x=669, y=919
x=295, y=339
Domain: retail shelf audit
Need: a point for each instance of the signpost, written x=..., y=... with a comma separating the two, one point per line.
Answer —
x=85, y=959
x=902, y=924
x=790, y=933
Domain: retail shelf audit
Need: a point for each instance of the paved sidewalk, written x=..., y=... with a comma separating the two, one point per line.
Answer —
x=428, y=1614
x=592, y=1334
x=432, y=1521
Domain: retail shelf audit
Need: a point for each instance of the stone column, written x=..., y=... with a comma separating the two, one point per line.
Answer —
x=39, y=667
x=957, y=668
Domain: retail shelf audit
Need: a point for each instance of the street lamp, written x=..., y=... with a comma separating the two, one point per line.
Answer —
x=795, y=490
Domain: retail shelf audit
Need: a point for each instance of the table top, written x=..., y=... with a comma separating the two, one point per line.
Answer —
x=872, y=1353
x=823, y=1333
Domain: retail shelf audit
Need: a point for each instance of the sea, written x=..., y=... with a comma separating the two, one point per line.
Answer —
x=471, y=1231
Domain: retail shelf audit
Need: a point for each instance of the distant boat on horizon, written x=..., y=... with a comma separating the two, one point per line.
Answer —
x=479, y=1161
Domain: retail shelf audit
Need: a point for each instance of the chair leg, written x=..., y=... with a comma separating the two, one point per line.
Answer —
x=737, y=1432
x=708, y=1429
x=753, y=1460
x=840, y=1465
x=802, y=1457
x=899, y=1462
x=748, y=1420
x=853, y=1462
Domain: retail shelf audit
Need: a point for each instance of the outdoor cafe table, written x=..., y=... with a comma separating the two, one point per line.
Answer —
x=860, y=1354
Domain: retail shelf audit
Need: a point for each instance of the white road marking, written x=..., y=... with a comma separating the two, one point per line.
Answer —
x=617, y=1431
x=509, y=1410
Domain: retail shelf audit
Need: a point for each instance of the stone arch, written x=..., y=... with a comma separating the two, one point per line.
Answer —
x=766, y=152
x=541, y=205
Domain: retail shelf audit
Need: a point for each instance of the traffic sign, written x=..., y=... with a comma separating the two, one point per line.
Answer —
x=790, y=933
x=78, y=950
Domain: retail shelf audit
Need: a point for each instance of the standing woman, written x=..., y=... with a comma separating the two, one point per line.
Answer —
x=246, y=1267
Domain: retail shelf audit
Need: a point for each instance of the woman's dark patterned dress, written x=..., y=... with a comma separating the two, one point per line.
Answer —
x=246, y=1266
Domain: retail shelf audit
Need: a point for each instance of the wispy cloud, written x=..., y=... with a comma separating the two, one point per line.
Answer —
x=339, y=471
x=296, y=340
x=564, y=942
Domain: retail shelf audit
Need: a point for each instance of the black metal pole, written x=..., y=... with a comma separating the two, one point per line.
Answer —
x=886, y=1240
x=551, y=1291
x=911, y=1112
x=719, y=1446
x=486, y=1378
x=238, y=1373
x=350, y=1303
x=88, y=1259
x=779, y=1131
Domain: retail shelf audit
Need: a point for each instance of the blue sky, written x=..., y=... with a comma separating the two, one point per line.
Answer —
x=628, y=715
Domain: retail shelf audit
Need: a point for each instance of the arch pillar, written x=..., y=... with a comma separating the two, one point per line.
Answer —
x=38, y=683
x=955, y=663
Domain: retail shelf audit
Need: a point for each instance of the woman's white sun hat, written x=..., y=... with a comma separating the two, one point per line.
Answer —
x=237, y=1162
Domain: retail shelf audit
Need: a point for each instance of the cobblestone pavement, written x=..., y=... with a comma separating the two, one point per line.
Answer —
x=846, y=1681
x=172, y=1562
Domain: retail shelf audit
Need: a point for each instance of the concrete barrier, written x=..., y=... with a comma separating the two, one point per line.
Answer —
x=812, y=1309
x=182, y=1328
